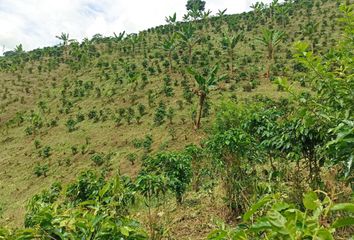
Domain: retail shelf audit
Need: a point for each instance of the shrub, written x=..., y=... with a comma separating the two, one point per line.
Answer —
x=98, y=159
x=170, y=114
x=41, y=170
x=160, y=114
x=71, y=125
x=131, y=157
x=141, y=109
x=46, y=152
x=177, y=169
x=273, y=218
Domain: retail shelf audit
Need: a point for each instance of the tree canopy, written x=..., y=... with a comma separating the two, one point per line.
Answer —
x=196, y=4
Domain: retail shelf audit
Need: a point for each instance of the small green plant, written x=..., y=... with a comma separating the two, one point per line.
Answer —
x=130, y=115
x=170, y=114
x=175, y=166
x=37, y=144
x=41, y=170
x=172, y=132
x=131, y=157
x=98, y=159
x=74, y=150
x=160, y=114
x=71, y=125
x=46, y=152
x=141, y=109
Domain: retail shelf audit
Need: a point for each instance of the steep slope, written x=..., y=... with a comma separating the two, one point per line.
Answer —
x=63, y=108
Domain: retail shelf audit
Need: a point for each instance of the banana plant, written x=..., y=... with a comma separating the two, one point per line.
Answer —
x=19, y=49
x=169, y=45
x=189, y=39
x=134, y=39
x=258, y=10
x=171, y=19
x=119, y=37
x=64, y=37
x=282, y=15
x=273, y=6
x=309, y=30
x=221, y=15
x=204, y=85
x=270, y=39
x=205, y=15
x=229, y=44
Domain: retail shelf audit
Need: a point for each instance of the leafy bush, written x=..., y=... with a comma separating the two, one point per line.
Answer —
x=71, y=125
x=46, y=152
x=98, y=159
x=131, y=157
x=160, y=114
x=41, y=170
x=272, y=218
x=92, y=208
x=175, y=166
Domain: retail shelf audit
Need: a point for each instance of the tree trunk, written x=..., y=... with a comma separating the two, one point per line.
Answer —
x=268, y=70
x=200, y=112
x=179, y=199
x=170, y=60
x=231, y=64
x=190, y=54
x=270, y=61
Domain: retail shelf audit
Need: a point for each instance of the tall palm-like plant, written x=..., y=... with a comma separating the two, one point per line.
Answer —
x=258, y=9
x=270, y=39
x=309, y=30
x=171, y=19
x=229, y=44
x=282, y=15
x=119, y=37
x=64, y=37
x=169, y=44
x=205, y=19
x=204, y=85
x=134, y=39
x=273, y=6
x=19, y=49
x=221, y=15
x=189, y=39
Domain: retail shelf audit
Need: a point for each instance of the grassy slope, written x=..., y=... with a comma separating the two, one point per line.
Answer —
x=18, y=155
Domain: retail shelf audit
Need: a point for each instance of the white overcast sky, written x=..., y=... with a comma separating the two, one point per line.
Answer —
x=35, y=23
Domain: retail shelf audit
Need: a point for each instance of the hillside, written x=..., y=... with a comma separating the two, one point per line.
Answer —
x=107, y=103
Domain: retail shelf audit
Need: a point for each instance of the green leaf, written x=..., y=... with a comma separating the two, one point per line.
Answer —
x=256, y=206
x=348, y=207
x=310, y=201
x=261, y=225
x=125, y=230
x=280, y=206
x=276, y=219
x=343, y=222
x=324, y=234
x=217, y=235
x=239, y=235
x=104, y=190
x=88, y=202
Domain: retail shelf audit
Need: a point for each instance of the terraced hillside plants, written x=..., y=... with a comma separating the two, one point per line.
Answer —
x=214, y=127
